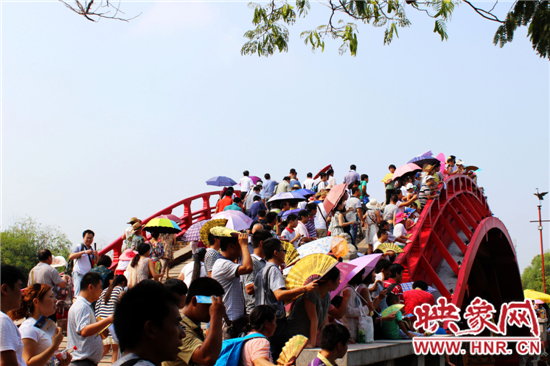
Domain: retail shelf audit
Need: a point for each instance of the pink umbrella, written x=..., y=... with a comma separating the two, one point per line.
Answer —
x=404, y=169
x=174, y=218
x=334, y=196
x=367, y=262
x=236, y=220
x=441, y=158
x=255, y=179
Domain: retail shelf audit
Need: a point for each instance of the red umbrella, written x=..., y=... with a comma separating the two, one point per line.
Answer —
x=404, y=169
x=324, y=170
x=334, y=196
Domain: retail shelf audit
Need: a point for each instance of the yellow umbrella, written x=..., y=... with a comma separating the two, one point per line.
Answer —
x=535, y=295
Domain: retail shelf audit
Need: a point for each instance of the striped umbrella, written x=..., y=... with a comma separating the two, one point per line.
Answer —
x=163, y=226
x=194, y=231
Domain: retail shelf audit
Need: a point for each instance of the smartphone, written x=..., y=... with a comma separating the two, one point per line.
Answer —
x=204, y=299
x=40, y=322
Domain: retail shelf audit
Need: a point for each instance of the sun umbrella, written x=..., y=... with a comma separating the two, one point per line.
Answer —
x=255, y=179
x=392, y=309
x=304, y=192
x=334, y=196
x=408, y=286
x=194, y=231
x=535, y=295
x=221, y=181
x=287, y=213
x=170, y=217
x=319, y=246
x=441, y=158
x=236, y=220
x=324, y=170
x=367, y=262
x=285, y=196
x=404, y=169
x=165, y=226
x=426, y=158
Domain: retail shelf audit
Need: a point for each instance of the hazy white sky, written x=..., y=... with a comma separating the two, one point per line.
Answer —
x=104, y=121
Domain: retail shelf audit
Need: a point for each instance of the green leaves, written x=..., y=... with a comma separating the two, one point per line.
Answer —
x=441, y=29
x=271, y=33
x=535, y=14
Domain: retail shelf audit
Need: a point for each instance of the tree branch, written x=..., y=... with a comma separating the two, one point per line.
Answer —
x=484, y=13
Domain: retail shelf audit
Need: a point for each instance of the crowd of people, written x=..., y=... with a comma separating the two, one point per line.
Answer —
x=234, y=287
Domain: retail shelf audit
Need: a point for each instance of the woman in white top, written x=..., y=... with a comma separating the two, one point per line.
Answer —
x=39, y=344
x=141, y=267
x=195, y=269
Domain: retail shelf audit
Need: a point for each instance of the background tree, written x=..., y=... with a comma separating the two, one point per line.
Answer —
x=271, y=21
x=22, y=241
x=531, y=278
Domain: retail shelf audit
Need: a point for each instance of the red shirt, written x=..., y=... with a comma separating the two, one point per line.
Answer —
x=414, y=298
x=223, y=203
x=397, y=290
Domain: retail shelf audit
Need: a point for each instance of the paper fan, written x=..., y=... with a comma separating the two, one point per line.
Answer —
x=205, y=229
x=392, y=309
x=292, y=349
x=291, y=253
x=385, y=247
x=309, y=269
x=339, y=246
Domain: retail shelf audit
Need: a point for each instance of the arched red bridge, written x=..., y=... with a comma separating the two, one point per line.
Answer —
x=457, y=246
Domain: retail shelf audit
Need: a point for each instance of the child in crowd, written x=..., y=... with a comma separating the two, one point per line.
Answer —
x=396, y=329
x=334, y=345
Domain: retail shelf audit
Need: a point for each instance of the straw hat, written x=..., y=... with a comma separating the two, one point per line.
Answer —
x=133, y=220
x=372, y=205
x=136, y=227
x=205, y=229
x=222, y=231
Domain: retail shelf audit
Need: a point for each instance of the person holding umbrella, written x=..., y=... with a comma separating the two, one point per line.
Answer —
x=226, y=199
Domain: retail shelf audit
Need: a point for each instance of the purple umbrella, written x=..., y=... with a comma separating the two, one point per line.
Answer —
x=367, y=262
x=287, y=196
x=236, y=220
x=194, y=232
x=255, y=179
x=287, y=213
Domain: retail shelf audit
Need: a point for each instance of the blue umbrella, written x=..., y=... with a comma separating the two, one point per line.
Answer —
x=221, y=181
x=287, y=213
x=304, y=192
x=426, y=158
x=287, y=196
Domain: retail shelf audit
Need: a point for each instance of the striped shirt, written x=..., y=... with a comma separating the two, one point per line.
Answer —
x=105, y=310
x=310, y=225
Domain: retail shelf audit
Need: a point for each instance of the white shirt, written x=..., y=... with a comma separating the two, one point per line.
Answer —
x=322, y=185
x=245, y=183
x=187, y=271
x=404, y=191
x=11, y=338
x=321, y=217
x=331, y=181
x=308, y=183
x=391, y=237
x=81, y=315
x=28, y=330
x=131, y=356
x=399, y=230
x=82, y=265
x=355, y=203
x=302, y=229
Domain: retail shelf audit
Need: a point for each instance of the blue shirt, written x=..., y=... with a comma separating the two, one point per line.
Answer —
x=256, y=206
x=233, y=207
x=269, y=187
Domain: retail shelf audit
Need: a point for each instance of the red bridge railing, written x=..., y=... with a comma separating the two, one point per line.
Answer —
x=188, y=219
x=460, y=206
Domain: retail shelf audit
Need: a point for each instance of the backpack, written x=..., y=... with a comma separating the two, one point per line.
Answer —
x=230, y=354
